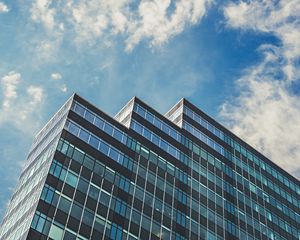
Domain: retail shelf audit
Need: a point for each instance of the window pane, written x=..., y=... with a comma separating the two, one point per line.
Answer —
x=88, y=162
x=88, y=218
x=64, y=205
x=99, y=169
x=99, y=123
x=94, y=192
x=89, y=116
x=104, y=148
x=56, y=232
x=108, y=129
x=78, y=156
x=76, y=211
x=69, y=236
x=79, y=109
x=118, y=135
x=83, y=135
x=71, y=179
x=82, y=185
x=113, y=154
x=104, y=198
x=94, y=142
x=73, y=129
x=99, y=225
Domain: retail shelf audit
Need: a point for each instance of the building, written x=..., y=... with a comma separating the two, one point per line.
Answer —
x=142, y=175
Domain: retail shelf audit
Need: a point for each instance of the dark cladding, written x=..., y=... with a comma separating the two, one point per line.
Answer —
x=142, y=175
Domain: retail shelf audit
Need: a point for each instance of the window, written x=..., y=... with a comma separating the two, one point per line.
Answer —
x=88, y=217
x=158, y=205
x=157, y=123
x=84, y=135
x=88, y=162
x=74, y=129
x=71, y=179
x=78, y=156
x=76, y=211
x=69, y=236
x=146, y=223
x=180, y=218
x=109, y=175
x=147, y=134
x=120, y=207
x=136, y=217
x=179, y=237
x=64, y=148
x=181, y=196
x=99, y=169
x=116, y=232
x=149, y=117
x=38, y=221
x=182, y=176
x=108, y=129
x=164, y=145
x=79, y=109
x=82, y=185
x=124, y=184
x=94, y=142
x=56, y=232
x=104, y=148
x=64, y=204
x=47, y=193
x=99, y=224
x=99, y=123
x=89, y=116
x=94, y=192
x=155, y=139
x=104, y=198
x=55, y=168
x=144, y=152
x=156, y=229
x=113, y=154
x=118, y=135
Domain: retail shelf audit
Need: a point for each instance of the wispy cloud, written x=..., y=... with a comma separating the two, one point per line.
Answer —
x=9, y=85
x=56, y=76
x=64, y=88
x=42, y=12
x=267, y=112
x=90, y=21
x=20, y=105
x=3, y=8
x=156, y=23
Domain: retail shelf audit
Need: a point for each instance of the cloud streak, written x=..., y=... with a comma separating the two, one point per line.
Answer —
x=95, y=20
x=20, y=108
x=266, y=113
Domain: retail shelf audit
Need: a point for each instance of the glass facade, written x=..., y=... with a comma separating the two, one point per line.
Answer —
x=141, y=175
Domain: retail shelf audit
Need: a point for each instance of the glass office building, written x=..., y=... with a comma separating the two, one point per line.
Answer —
x=143, y=175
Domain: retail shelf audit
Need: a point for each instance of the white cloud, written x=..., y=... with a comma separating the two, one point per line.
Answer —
x=266, y=113
x=42, y=12
x=20, y=109
x=95, y=20
x=45, y=50
x=64, y=88
x=280, y=18
x=3, y=8
x=157, y=24
x=56, y=76
x=9, y=85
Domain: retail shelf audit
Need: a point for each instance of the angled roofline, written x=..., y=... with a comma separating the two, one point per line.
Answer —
x=203, y=114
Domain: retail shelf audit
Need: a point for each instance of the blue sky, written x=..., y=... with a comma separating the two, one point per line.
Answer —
x=236, y=60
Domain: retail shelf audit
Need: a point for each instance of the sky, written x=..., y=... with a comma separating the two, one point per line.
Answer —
x=239, y=61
